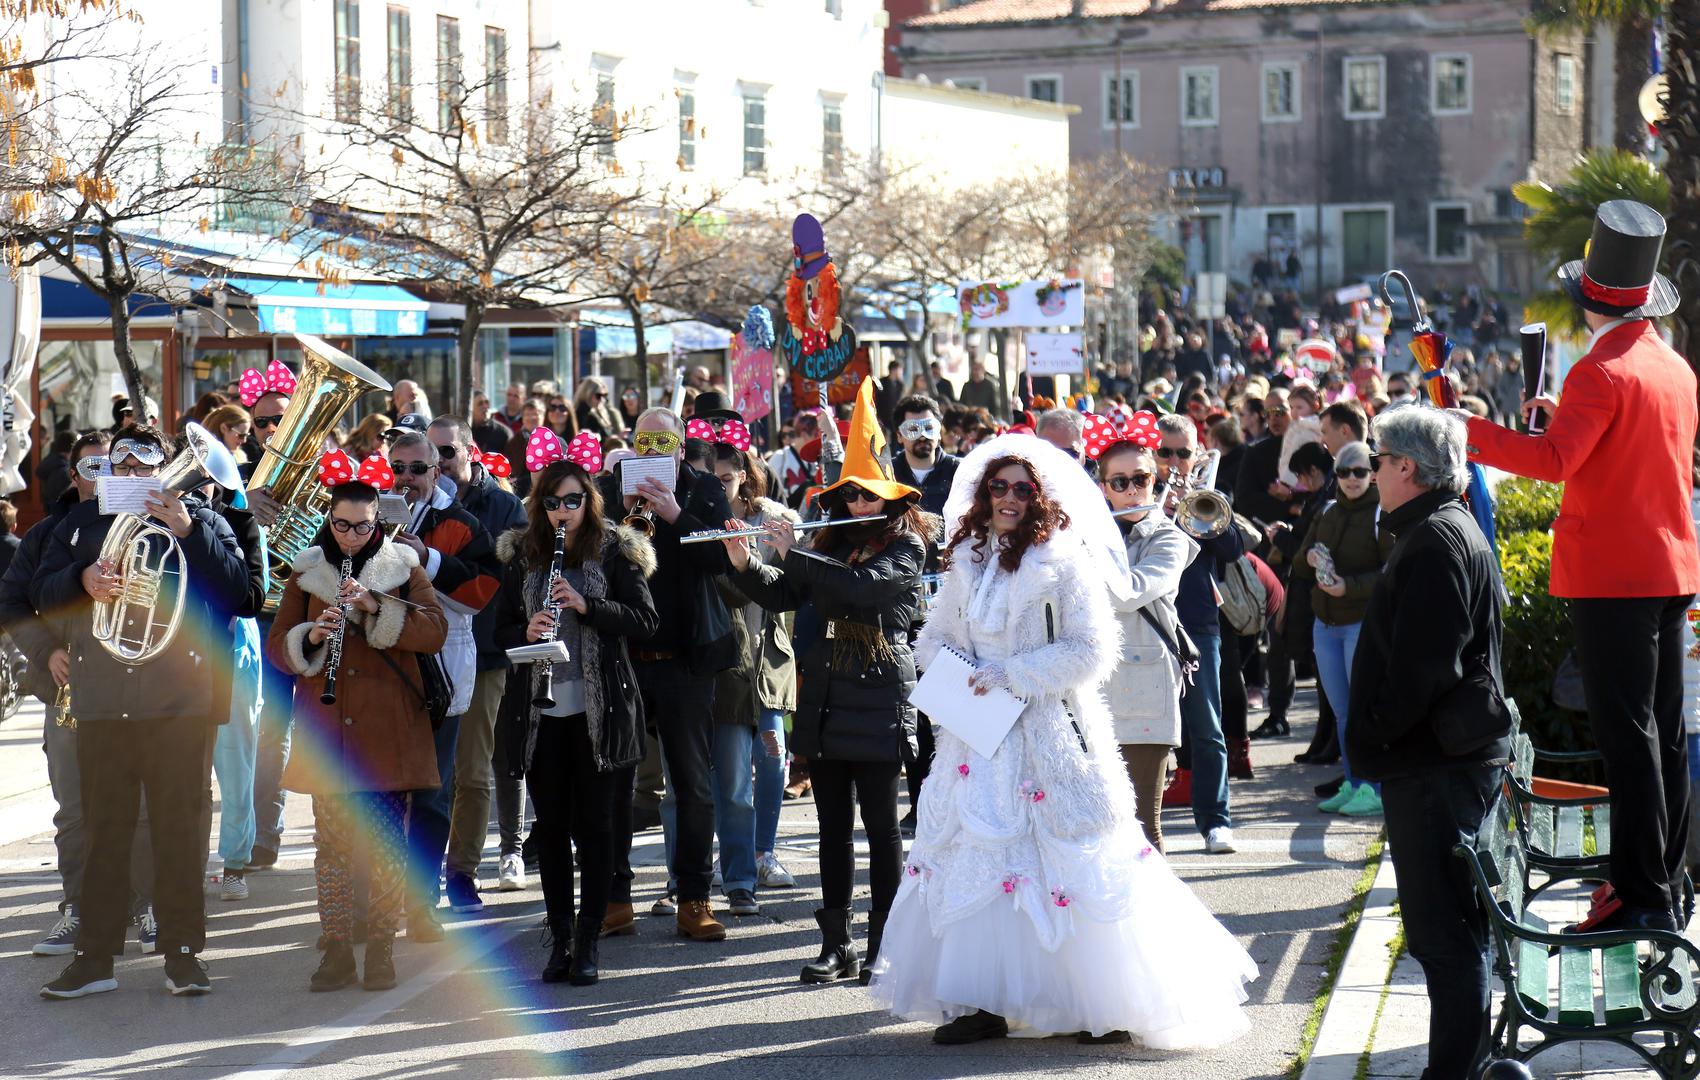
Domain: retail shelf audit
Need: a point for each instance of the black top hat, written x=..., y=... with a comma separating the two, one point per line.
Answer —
x=1618, y=274
x=712, y=405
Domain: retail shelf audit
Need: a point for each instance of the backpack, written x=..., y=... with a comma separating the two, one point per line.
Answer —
x=1243, y=597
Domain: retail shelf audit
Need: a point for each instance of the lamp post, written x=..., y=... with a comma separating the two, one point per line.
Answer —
x=1122, y=37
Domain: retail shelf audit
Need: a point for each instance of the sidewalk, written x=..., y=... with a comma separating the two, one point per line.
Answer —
x=472, y=1007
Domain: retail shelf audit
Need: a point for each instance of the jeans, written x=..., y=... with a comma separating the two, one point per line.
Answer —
x=1231, y=683
x=734, y=808
x=428, y=823
x=276, y=719
x=575, y=809
x=682, y=708
x=770, y=780
x=1201, y=714
x=1335, y=646
x=120, y=762
x=235, y=749
x=474, y=778
x=872, y=785
x=1445, y=928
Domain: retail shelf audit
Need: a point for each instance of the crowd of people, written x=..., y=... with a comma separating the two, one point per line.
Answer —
x=1142, y=569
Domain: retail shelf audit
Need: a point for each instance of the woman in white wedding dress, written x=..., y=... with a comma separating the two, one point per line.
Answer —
x=1031, y=903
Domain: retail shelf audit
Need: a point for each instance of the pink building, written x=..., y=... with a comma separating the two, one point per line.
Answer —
x=1399, y=126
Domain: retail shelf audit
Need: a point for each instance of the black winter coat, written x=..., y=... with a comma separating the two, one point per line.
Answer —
x=1433, y=619
x=35, y=636
x=850, y=711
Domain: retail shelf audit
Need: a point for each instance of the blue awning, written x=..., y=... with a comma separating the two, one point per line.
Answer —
x=72, y=300
x=611, y=334
x=312, y=307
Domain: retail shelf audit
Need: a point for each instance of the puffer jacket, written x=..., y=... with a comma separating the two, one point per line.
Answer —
x=857, y=709
x=1347, y=529
x=1144, y=689
x=766, y=676
x=35, y=636
x=618, y=609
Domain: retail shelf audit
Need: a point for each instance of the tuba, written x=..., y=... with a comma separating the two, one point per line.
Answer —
x=1197, y=509
x=130, y=626
x=330, y=382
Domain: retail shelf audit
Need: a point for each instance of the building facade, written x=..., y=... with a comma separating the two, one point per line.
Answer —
x=1356, y=136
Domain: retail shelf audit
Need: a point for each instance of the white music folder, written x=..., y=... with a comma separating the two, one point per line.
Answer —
x=944, y=695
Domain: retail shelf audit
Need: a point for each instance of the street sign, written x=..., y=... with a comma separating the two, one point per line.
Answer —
x=1212, y=295
x=1054, y=354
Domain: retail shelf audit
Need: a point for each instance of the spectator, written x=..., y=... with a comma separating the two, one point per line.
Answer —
x=592, y=411
x=53, y=475
x=979, y=392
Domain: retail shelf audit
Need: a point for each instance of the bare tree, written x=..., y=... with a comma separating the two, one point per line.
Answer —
x=488, y=206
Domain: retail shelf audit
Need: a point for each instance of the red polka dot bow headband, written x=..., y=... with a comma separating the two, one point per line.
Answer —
x=337, y=467
x=495, y=464
x=278, y=379
x=544, y=448
x=1102, y=433
x=731, y=432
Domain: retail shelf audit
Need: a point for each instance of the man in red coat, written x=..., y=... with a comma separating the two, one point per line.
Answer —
x=1624, y=552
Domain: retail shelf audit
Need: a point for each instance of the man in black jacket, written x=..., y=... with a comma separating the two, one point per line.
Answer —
x=676, y=669
x=1255, y=493
x=144, y=728
x=1427, y=720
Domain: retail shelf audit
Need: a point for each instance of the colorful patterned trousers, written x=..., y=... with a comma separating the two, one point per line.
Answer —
x=359, y=825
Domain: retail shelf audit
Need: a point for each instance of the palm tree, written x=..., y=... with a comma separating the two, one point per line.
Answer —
x=1680, y=133
x=1562, y=218
x=1632, y=56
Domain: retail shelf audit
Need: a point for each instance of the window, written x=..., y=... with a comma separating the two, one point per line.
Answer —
x=1198, y=96
x=1449, y=89
x=401, y=65
x=347, y=17
x=1281, y=230
x=1448, y=231
x=448, y=73
x=1121, y=107
x=496, y=87
x=1365, y=87
x=1044, y=87
x=832, y=137
x=1280, y=93
x=755, y=134
x=1564, y=84
x=968, y=83
x=602, y=113
x=687, y=127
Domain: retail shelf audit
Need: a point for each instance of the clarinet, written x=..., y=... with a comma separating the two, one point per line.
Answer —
x=545, y=698
x=333, y=661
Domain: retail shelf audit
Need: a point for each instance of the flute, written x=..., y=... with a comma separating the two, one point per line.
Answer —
x=333, y=660
x=1136, y=509
x=545, y=697
x=706, y=535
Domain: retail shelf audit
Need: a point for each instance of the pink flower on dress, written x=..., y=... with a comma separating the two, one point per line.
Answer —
x=962, y=769
x=1059, y=897
x=1032, y=791
x=1147, y=851
x=913, y=870
x=1039, y=796
x=1010, y=883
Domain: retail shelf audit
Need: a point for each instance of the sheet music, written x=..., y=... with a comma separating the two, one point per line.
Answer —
x=945, y=696
x=662, y=467
x=126, y=494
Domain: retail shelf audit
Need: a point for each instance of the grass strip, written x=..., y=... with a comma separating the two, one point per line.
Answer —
x=1395, y=950
x=1337, y=957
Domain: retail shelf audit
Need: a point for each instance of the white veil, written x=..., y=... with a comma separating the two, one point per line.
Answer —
x=1066, y=484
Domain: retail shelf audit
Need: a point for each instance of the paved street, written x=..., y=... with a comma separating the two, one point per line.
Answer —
x=472, y=1007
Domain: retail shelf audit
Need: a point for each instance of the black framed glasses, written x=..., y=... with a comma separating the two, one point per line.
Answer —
x=570, y=501
x=268, y=421
x=1356, y=472
x=1120, y=483
x=414, y=468
x=1375, y=461
x=859, y=495
x=557, y=406
x=1021, y=489
x=1184, y=452
x=358, y=528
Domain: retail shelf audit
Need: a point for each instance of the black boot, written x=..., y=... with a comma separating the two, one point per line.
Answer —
x=336, y=969
x=971, y=1028
x=876, y=931
x=380, y=964
x=838, y=958
x=560, y=955
x=1274, y=727
x=587, y=932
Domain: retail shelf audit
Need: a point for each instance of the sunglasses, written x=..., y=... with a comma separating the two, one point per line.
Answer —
x=358, y=528
x=1023, y=490
x=1375, y=461
x=855, y=494
x=1120, y=483
x=1356, y=472
x=448, y=452
x=415, y=468
x=268, y=421
x=598, y=395
x=557, y=407
x=571, y=501
x=1168, y=452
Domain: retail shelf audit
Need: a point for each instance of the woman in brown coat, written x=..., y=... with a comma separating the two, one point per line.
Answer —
x=359, y=755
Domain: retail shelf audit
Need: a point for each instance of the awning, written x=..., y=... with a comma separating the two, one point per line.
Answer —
x=611, y=334
x=311, y=307
x=693, y=336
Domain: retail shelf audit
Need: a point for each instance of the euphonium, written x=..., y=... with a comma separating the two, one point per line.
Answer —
x=1197, y=509
x=330, y=382
x=129, y=626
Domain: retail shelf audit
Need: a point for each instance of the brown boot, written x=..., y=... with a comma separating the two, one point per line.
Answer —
x=1239, y=759
x=697, y=921
x=620, y=921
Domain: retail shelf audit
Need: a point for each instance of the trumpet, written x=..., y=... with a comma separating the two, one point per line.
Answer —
x=707, y=535
x=642, y=519
x=333, y=659
x=62, y=709
x=1197, y=510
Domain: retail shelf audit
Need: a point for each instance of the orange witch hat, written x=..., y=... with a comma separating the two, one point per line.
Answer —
x=862, y=465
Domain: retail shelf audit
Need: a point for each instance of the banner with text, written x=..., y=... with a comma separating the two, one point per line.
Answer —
x=1057, y=302
x=1054, y=354
x=752, y=380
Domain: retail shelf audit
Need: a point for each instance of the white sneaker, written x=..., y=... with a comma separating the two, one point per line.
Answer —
x=512, y=874
x=232, y=886
x=770, y=874
x=1219, y=841
x=148, y=934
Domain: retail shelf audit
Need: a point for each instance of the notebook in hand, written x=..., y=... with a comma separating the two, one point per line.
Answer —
x=944, y=695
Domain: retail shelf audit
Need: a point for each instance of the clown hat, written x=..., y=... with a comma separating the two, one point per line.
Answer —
x=862, y=465
x=808, y=247
x=1618, y=274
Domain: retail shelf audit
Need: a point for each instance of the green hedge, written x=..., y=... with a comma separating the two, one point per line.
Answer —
x=1523, y=505
x=1537, y=635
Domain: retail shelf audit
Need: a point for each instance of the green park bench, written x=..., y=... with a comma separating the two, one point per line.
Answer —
x=1611, y=986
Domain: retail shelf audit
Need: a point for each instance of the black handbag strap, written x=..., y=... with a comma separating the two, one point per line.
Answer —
x=1051, y=637
x=384, y=655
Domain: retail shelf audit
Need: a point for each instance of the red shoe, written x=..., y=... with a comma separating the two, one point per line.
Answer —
x=1239, y=759
x=1179, y=791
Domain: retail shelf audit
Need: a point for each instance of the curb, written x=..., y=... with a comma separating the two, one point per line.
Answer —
x=1356, y=998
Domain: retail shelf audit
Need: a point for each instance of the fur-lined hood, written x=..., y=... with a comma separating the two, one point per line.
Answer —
x=767, y=508
x=386, y=571
x=632, y=544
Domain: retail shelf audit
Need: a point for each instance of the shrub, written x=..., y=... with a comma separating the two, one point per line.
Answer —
x=1537, y=635
x=1524, y=505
